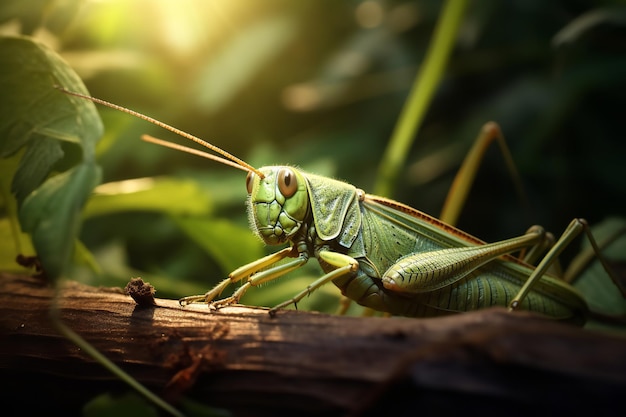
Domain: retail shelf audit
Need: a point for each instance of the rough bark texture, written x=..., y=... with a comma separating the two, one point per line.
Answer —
x=303, y=363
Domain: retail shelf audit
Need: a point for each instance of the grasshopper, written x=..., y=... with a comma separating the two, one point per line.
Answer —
x=383, y=254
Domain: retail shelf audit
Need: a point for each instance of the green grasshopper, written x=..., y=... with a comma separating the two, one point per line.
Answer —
x=383, y=254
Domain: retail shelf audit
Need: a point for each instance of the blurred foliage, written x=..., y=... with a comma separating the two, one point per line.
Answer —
x=47, y=146
x=132, y=405
x=320, y=84
x=598, y=288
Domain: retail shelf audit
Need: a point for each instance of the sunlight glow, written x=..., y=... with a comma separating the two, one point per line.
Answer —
x=125, y=186
x=181, y=27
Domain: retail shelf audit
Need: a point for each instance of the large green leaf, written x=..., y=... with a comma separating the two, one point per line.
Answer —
x=57, y=134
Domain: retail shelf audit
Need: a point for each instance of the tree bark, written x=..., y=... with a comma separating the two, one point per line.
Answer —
x=303, y=363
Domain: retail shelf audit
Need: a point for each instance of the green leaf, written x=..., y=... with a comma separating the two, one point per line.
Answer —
x=51, y=214
x=166, y=195
x=231, y=246
x=129, y=404
x=57, y=134
x=12, y=241
x=598, y=288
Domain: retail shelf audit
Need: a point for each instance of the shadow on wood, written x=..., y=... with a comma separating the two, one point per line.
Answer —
x=304, y=363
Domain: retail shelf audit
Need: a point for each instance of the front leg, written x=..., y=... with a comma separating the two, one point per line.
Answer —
x=237, y=275
x=261, y=278
x=345, y=265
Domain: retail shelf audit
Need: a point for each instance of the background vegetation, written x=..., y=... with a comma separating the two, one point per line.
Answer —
x=320, y=84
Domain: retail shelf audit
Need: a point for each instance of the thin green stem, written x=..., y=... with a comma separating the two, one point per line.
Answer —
x=420, y=96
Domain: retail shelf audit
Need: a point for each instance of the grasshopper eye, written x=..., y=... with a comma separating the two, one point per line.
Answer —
x=249, y=182
x=287, y=182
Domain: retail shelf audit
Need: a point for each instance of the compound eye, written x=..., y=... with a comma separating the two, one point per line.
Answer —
x=287, y=182
x=249, y=182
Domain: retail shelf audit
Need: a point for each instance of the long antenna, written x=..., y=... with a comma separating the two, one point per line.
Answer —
x=193, y=151
x=228, y=159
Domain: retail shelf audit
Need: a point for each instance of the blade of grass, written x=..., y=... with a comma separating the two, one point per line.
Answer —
x=420, y=96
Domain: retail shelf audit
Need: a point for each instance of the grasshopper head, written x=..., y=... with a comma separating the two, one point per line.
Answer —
x=277, y=204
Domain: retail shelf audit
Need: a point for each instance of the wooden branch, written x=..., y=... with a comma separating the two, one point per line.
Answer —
x=304, y=363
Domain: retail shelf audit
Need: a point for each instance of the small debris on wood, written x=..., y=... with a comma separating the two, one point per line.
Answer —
x=142, y=292
x=32, y=262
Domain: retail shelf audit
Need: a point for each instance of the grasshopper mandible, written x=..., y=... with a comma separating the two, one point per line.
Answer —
x=381, y=253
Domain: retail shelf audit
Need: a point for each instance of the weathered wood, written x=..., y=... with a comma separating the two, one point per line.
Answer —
x=303, y=363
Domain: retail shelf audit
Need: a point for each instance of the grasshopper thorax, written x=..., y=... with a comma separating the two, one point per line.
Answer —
x=277, y=204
